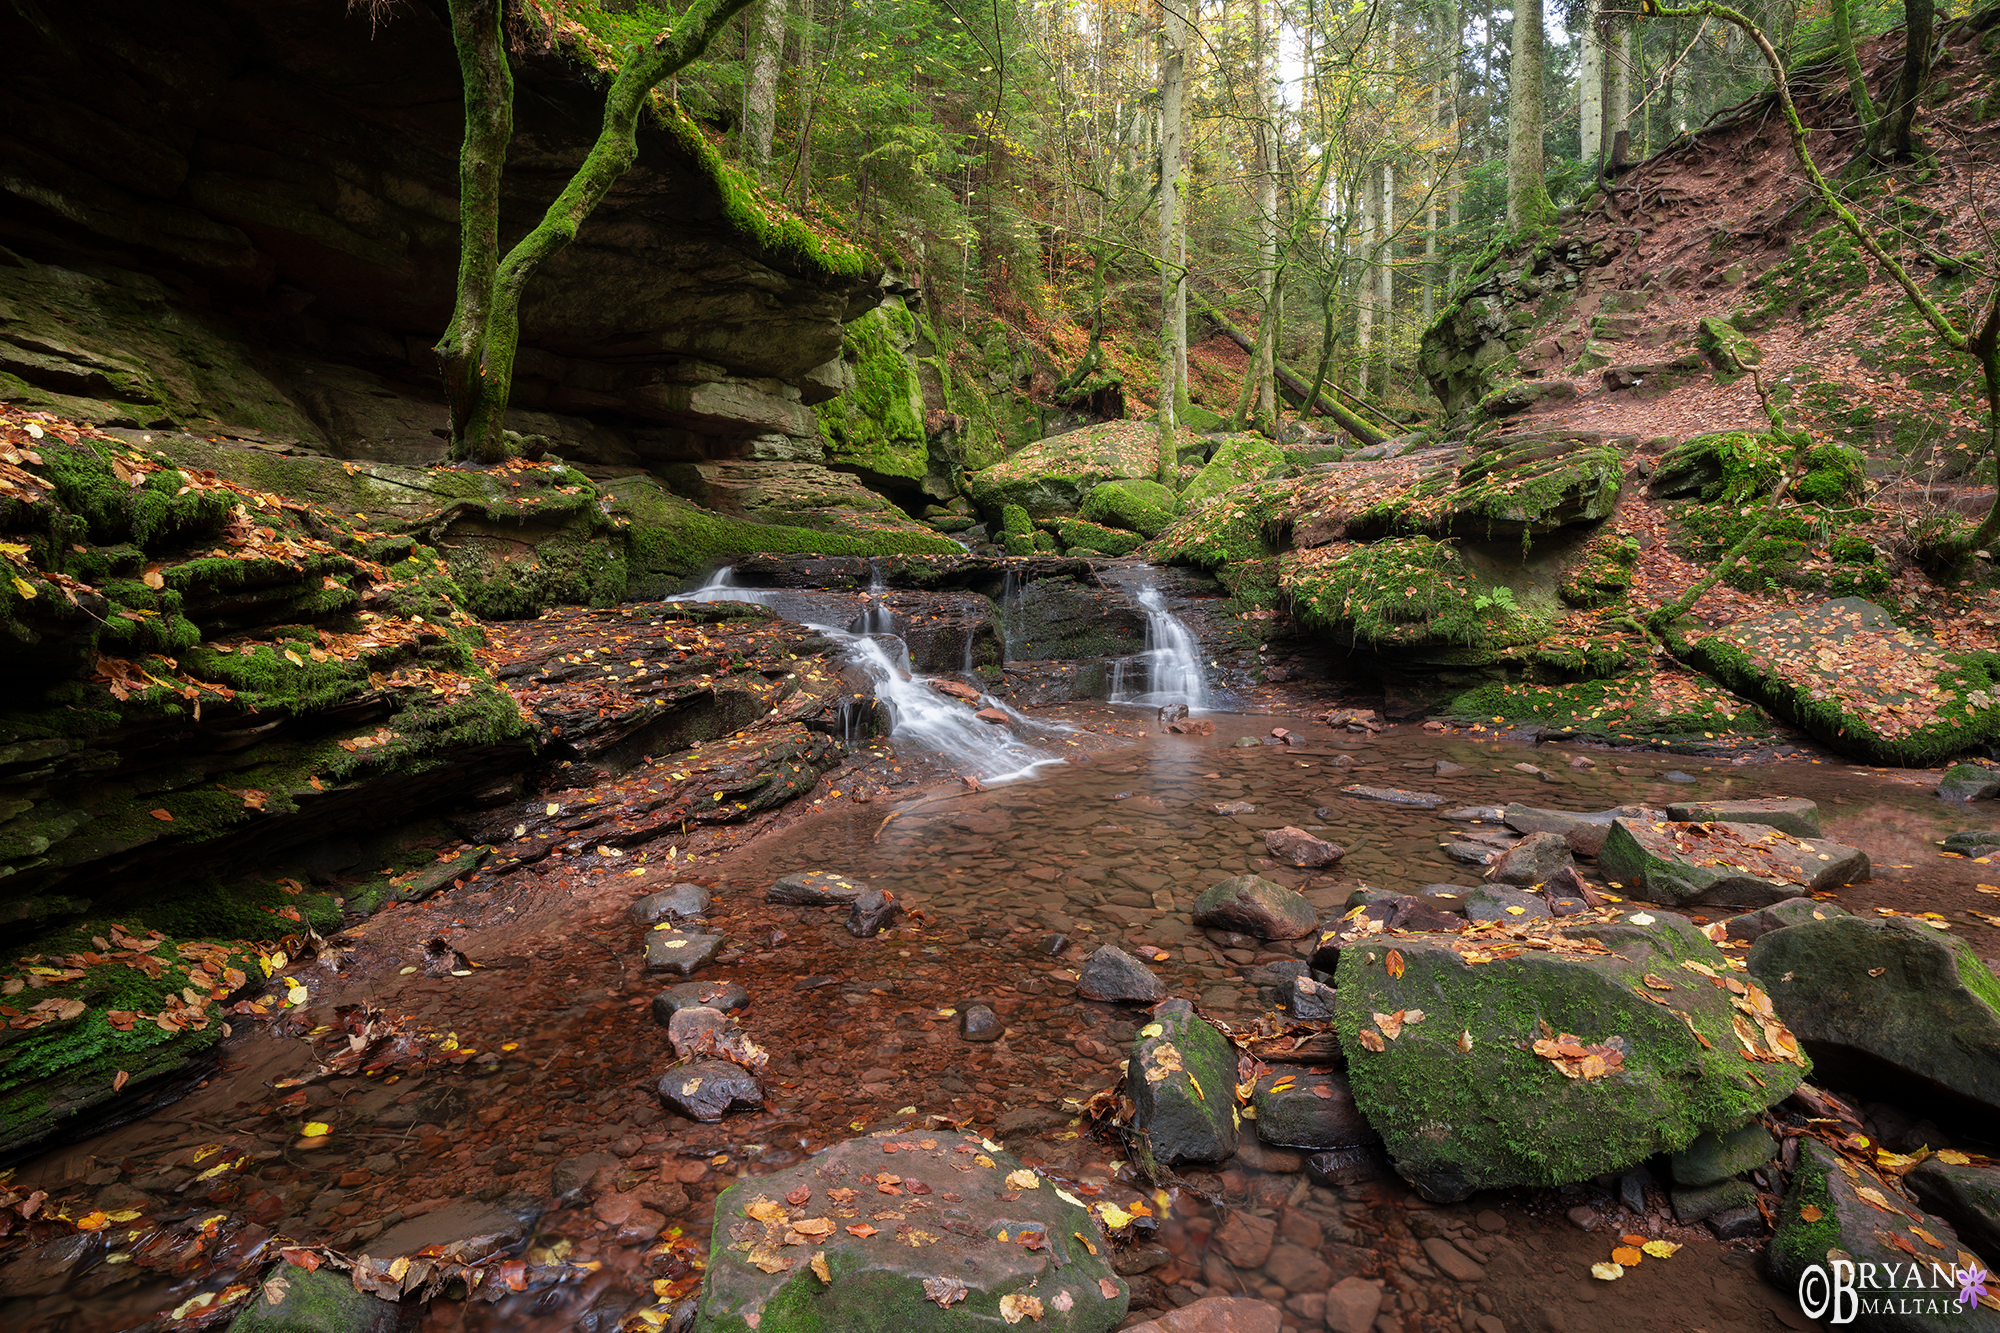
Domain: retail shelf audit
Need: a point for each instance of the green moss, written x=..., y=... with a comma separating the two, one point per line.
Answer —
x=1140, y=506
x=1241, y=524
x=1399, y=593
x=1252, y=584
x=1236, y=459
x=1808, y=548
x=1014, y=521
x=876, y=426
x=1079, y=535
x=1613, y=708
x=1604, y=573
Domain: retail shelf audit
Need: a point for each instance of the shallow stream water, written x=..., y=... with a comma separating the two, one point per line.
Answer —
x=1008, y=890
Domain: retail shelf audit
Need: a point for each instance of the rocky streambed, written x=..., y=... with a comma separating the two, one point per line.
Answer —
x=479, y=1105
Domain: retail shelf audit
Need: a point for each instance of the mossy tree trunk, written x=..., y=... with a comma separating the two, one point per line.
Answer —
x=1857, y=82
x=1919, y=19
x=477, y=350
x=1528, y=204
x=1173, y=268
x=1981, y=343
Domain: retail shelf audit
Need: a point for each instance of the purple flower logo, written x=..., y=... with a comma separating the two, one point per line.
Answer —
x=1971, y=1285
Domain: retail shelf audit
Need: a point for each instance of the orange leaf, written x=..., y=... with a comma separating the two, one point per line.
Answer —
x=1811, y=1213
x=861, y=1229
x=118, y=1080
x=1627, y=1255
x=1395, y=963
x=166, y=815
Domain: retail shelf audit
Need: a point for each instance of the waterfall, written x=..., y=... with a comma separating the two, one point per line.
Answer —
x=1010, y=615
x=917, y=713
x=1171, y=665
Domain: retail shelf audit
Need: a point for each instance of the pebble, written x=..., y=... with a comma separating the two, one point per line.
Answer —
x=1452, y=1261
x=872, y=910
x=977, y=1022
x=1584, y=1219
x=1677, y=776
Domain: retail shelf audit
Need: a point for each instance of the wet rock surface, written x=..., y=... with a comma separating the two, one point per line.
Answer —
x=1256, y=906
x=1747, y=864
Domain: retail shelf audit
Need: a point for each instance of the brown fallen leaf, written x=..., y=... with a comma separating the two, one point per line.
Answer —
x=944, y=1290
x=1109, y=1288
x=862, y=1229
x=1370, y=1039
x=119, y=1080
x=164, y=815
x=819, y=1267
x=1394, y=962
x=800, y=1197
x=1811, y=1213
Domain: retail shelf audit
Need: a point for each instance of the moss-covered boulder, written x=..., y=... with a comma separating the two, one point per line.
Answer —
x=1726, y=347
x=902, y=1231
x=1844, y=1220
x=294, y=1300
x=1894, y=996
x=875, y=427
x=1674, y=862
x=1062, y=619
x=1137, y=505
x=1182, y=1077
x=1051, y=477
x=1735, y=467
x=1546, y=1054
x=1969, y=782
x=670, y=539
x=1847, y=674
x=1236, y=459
x=1409, y=595
x=1078, y=535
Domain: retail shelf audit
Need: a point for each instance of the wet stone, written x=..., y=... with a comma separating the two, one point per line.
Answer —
x=1969, y=782
x=1453, y=1262
x=1300, y=1106
x=724, y=995
x=1114, y=976
x=1309, y=1001
x=679, y=950
x=1974, y=842
x=1246, y=1239
x=1700, y=1204
x=1234, y=808
x=1713, y=1157
x=1445, y=768
x=1416, y=800
x=707, y=1089
x=1352, y=1304
x=1492, y=904
x=815, y=888
x=872, y=910
x=570, y=1177
x=1171, y=1055
x=1475, y=814
x=680, y=903
x=1792, y=814
x=976, y=1022
x=1256, y=906
x=1531, y=861
x=1676, y=775
x=1215, y=1314
x=1338, y=1167
x=695, y=1029
x=1296, y=847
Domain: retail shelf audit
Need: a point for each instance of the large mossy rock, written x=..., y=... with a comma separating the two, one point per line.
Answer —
x=1876, y=997
x=1051, y=477
x=1839, y=1213
x=1737, y=467
x=1411, y=597
x=1060, y=619
x=1235, y=460
x=1183, y=1080
x=1466, y=1100
x=1844, y=672
x=1964, y=1194
x=1751, y=865
x=1078, y=535
x=1137, y=505
x=197, y=669
x=875, y=427
x=319, y=1301
x=903, y=1231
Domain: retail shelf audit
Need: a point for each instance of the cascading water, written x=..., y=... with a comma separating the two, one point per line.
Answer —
x=917, y=713
x=1170, y=668
x=1010, y=616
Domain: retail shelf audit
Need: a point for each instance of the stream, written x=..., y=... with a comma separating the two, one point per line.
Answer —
x=1090, y=826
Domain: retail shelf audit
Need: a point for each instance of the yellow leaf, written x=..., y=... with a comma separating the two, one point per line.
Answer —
x=1607, y=1272
x=1024, y=1179
x=22, y=586
x=294, y=658
x=819, y=1268
x=1874, y=1198
x=314, y=1129
x=1660, y=1249
x=1113, y=1217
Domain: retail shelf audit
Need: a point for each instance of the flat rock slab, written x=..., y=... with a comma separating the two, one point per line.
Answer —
x=1890, y=995
x=815, y=888
x=465, y=1229
x=1844, y=672
x=1171, y=1056
x=1114, y=976
x=906, y=1231
x=1416, y=800
x=1793, y=814
x=1219, y=1314
x=1914, y=1275
x=1256, y=906
x=1505, y=905
x=1964, y=1195
x=1753, y=865
x=1585, y=831
x=1753, y=926
x=1553, y=1052
x=706, y=1090
x=680, y=950
x=680, y=902
x=1534, y=860
x=1303, y=1106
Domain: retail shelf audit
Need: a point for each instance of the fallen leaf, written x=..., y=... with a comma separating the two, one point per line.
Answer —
x=1626, y=1256
x=945, y=1290
x=1660, y=1249
x=819, y=1267
x=165, y=816
x=1108, y=1288
x=861, y=1229
x=118, y=1080
x=1607, y=1272
x=1024, y=1179
x=1014, y=1309
x=1811, y=1213
x=1394, y=963
x=1370, y=1038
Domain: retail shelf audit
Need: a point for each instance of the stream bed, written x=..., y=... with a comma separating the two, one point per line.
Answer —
x=525, y=1111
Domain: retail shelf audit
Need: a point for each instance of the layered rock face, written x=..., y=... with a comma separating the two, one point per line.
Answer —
x=243, y=219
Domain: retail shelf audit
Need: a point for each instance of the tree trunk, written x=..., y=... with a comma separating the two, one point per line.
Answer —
x=1309, y=395
x=1365, y=285
x=1619, y=113
x=1919, y=17
x=760, y=87
x=1528, y=204
x=477, y=350
x=1173, y=275
x=1857, y=83
x=1590, y=90
x=806, y=83
x=1385, y=274
x=1266, y=391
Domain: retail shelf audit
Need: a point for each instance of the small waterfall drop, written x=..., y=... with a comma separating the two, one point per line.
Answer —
x=1170, y=668
x=723, y=587
x=1010, y=616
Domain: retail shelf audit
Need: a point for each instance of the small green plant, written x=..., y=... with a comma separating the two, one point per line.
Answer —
x=1501, y=599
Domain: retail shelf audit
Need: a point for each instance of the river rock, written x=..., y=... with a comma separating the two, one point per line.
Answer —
x=1795, y=815
x=1337, y=1167
x=1112, y=975
x=1532, y=860
x=681, y=902
x=1698, y=1204
x=1506, y=905
x=1969, y=782
x=1309, y=1001
x=872, y=910
x=1415, y=800
x=1256, y=906
x=1674, y=862
x=1715, y=1156
x=706, y=1089
x=679, y=950
x=1296, y=847
x=1752, y=926
x=724, y=995
x=1352, y=1304
x=317, y=1301
x=1825, y=1217
x=1301, y=1106
x=932, y=1259
x=1974, y=842
x=977, y=1022
x=1170, y=1056
x=1464, y=1100
x=1964, y=1195
x=1215, y=1314
x=1475, y=814
x=1585, y=832
x=1471, y=853
x=1234, y=808
x=701, y=1033
x=1872, y=995
x=815, y=888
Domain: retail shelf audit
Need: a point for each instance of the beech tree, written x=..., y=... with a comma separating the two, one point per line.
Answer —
x=1528, y=202
x=478, y=347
